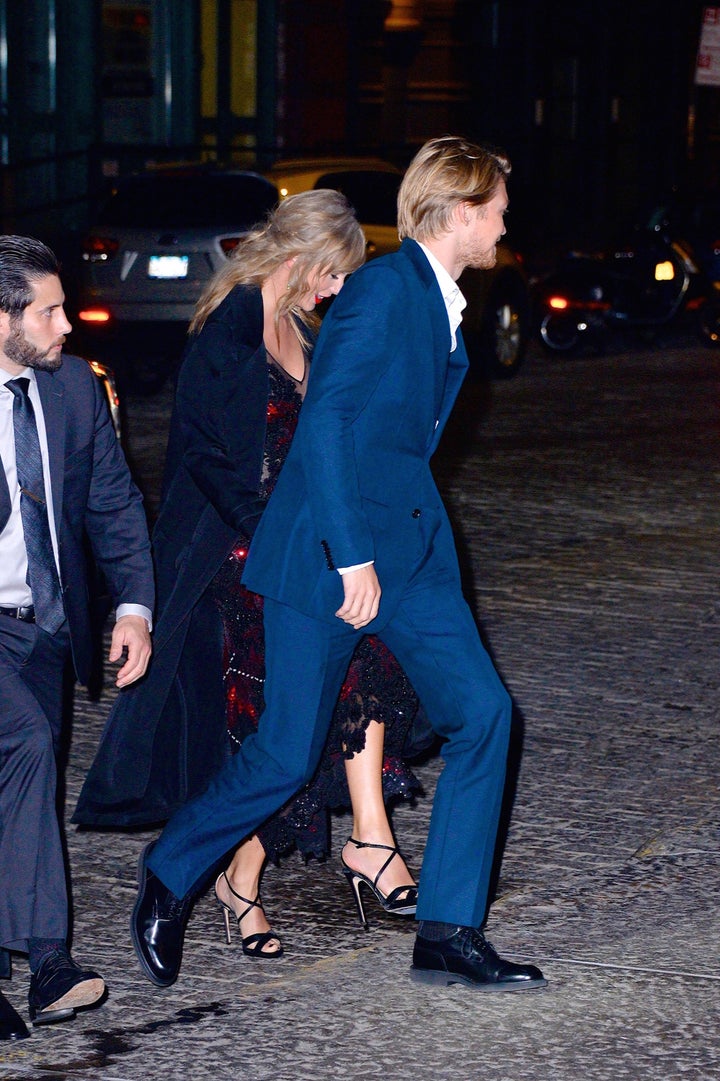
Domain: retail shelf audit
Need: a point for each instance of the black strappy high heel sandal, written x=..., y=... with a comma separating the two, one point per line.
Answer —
x=253, y=945
x=402, y=901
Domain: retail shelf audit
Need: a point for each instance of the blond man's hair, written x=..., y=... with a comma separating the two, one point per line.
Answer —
x=444, y=172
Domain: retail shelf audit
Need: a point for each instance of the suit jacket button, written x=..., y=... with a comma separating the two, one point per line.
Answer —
x=416, y=513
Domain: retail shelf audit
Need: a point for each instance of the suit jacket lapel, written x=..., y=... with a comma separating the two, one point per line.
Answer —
x=450, y=368
x=52, y=396
x=457, y=367
x=438, y=319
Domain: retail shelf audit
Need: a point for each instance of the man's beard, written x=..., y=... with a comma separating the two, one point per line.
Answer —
x=22, y=352
x=480, y=258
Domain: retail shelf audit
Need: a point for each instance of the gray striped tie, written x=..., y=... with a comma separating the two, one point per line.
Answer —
x=42, y=573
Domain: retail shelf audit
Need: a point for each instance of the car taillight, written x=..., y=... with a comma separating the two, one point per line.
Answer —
x=94, y=315
x=558, y=304
x=98, y=249
x=229, y=244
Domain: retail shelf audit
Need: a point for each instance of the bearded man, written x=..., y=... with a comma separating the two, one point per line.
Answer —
x=63, y=480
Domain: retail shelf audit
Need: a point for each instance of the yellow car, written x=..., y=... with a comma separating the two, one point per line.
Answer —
x=496, y=322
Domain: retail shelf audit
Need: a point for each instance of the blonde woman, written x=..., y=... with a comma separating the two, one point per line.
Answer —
x=239, y=394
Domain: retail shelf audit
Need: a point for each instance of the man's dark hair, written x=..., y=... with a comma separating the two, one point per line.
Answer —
x=23, y=259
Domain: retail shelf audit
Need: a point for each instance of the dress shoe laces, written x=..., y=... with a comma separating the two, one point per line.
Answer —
x=474, y=944
x=171, y=908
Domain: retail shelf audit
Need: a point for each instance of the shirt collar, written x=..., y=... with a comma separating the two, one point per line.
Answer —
x=27, y=373
x=455, y=302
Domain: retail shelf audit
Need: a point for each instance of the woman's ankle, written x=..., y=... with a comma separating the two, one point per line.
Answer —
x=369, y=860
x=371, y=834
x=239, y=885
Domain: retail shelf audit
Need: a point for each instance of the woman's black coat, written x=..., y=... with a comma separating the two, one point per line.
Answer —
x=165, y=736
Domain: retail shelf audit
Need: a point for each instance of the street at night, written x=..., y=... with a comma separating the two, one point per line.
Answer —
x=225, y=165
x=585, y=495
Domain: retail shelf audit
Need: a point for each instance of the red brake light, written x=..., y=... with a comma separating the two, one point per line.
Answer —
x=94, y=315
x=229, y=244
x=559, y=304
x=98, y=249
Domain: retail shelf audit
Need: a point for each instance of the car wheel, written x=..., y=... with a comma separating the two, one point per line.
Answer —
x=503, y=334
x=559, y=333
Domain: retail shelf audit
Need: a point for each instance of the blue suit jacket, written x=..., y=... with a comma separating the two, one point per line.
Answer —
x=93, y=496
x=383, y=384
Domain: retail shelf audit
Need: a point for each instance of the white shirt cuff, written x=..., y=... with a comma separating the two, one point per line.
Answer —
x=135, y=610
x=357, y=567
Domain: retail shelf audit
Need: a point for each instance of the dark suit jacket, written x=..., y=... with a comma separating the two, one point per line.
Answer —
x=93, y=495
x=358, y=475
x=165, y=736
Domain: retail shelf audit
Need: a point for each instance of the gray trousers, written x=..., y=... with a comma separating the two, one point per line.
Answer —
x=33, y=890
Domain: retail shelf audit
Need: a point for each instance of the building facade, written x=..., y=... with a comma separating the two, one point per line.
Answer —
x=594, y=102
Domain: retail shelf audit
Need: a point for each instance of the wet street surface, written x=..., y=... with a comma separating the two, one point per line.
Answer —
x=585, y=494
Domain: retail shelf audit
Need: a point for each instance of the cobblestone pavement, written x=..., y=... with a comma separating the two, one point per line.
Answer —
x=586, y=495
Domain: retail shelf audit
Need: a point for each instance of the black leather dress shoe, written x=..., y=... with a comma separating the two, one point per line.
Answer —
x=60, y=987
x=467, y=957
x=12, y=1026
x=157, y=925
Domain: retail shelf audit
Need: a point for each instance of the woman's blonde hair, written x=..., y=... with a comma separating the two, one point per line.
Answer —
x=318, y=229
x=444, y=172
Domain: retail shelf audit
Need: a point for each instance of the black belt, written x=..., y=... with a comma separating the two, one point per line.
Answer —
x=26, y=614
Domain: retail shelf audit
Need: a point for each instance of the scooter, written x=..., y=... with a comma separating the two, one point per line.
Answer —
x=642, y=287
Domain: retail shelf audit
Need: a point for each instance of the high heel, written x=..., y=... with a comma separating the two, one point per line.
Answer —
x=253, y=945
x=392, y=902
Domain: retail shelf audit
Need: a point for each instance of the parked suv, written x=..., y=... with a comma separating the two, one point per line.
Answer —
x=157, y=239
x=496, y=322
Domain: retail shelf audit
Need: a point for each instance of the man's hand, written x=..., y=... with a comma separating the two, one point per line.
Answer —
x=362, y=597
x=130, y=633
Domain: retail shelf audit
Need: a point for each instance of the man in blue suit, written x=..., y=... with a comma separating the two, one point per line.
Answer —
x=63, y=481
x=354, y=540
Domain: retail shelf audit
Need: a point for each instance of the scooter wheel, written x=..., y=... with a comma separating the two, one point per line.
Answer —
x=559, y=333
x=709, y=323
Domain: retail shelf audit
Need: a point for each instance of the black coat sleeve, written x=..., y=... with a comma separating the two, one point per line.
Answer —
x=220, y=417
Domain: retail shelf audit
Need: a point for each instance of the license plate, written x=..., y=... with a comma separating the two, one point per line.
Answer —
x=168, y=266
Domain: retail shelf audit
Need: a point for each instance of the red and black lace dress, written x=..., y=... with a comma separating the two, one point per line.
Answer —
x=375, y=689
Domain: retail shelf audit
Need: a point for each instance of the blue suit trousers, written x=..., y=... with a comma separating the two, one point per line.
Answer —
x=434, y=637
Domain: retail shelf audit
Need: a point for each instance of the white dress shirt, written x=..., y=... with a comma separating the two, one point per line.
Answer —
x=14, y=590
x=455, y=302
